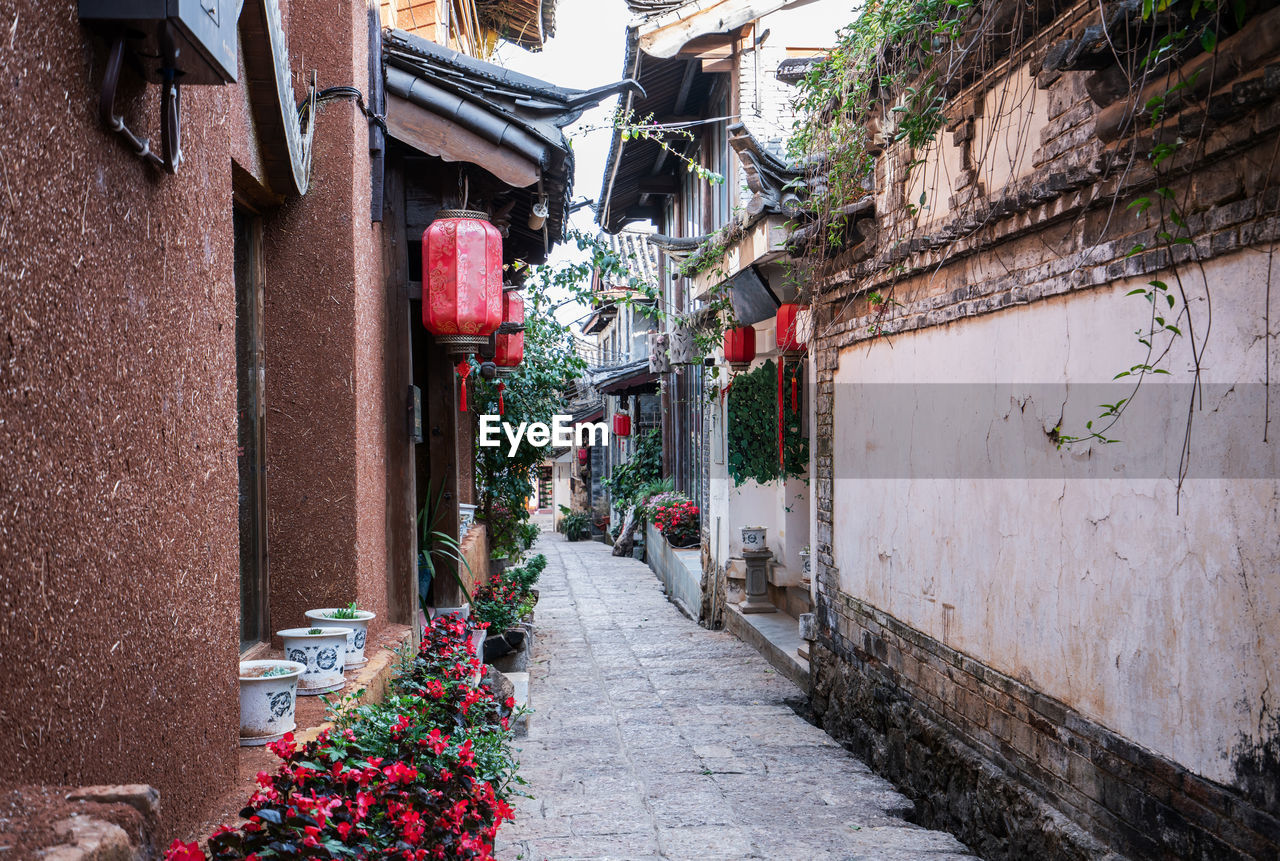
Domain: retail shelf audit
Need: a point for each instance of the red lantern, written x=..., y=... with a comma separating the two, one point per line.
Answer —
x=462, y=279
x=740, y=346
x=787, y=340
x=621, y=424
x=583, y=454
x=510, y=347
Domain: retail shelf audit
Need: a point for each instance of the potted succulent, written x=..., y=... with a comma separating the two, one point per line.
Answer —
x=268, y=695
x=356, y=621
x=322, y=651
x=753, y=537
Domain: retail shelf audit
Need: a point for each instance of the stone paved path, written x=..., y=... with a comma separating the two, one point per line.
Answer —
x=656, y=738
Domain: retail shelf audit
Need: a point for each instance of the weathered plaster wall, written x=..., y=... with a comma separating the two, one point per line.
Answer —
x=118, y=548
x=1154, y=615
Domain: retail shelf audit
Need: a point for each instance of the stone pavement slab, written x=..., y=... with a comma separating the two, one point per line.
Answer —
x=655, y=738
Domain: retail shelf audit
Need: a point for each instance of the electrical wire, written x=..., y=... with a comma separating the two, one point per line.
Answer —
x=330, y=94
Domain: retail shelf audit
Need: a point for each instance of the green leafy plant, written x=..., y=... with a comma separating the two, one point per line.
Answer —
x=347, y=612
x=576, y=525
x=535, y=392
x=438, y=549
x=637, y=477
x=753, y=430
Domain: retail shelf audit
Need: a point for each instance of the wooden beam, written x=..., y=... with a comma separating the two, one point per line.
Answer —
x=662, y=184
x=686, y=83
x=712, y=67
x=435, y=135
x=663, y=36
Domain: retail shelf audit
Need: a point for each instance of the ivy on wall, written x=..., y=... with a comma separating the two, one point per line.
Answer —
x=753, y=426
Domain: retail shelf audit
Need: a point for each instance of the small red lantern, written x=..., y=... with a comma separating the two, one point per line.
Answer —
x=740, y=346
x=787, y=340
x=462, y=279
x=510, y=347
x=621, y=424
x=583, y=454
x=788, y=343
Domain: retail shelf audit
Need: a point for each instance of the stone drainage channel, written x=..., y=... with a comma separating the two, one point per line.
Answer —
x=655, y=738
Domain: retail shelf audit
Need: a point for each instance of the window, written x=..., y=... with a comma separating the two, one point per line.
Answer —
x=251, y=435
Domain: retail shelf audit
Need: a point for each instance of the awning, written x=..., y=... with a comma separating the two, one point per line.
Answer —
x=633, y=378
x=457, y=108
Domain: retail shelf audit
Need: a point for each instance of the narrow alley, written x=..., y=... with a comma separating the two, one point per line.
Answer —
x=655, y=738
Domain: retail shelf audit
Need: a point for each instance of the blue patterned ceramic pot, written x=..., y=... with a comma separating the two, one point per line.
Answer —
x=324, y=654
x=359, y=628
x=268, y=694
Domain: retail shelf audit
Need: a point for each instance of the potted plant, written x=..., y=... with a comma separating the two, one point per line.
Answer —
x=356, y=621
x=268, y=695
x=753, y=537
x=466, y=517
x=676, y=517
x=323, y=651
x=439, y=550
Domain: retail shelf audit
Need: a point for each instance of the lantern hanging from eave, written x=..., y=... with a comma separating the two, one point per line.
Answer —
x=740, y=346
x=583, y=455
x=621, y=424
x=462, y=279
x=787, y=339
x=509, y=342
x=509, y=348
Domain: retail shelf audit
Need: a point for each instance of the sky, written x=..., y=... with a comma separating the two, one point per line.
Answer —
x=586, y=52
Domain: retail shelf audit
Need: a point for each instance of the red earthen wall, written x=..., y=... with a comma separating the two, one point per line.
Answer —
x=119, y=571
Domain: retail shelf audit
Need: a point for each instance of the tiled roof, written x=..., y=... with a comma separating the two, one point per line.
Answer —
x=653, y=7
x=637, y=252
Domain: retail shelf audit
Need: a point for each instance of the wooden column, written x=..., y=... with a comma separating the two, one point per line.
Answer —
x=402, y=505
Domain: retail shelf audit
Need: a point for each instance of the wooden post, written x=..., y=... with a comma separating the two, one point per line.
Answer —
x=402, y=507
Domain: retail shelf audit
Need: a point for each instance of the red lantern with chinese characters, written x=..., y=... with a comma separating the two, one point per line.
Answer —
x=740, y=346
x=621, y=424
x=461, y=279
x=509, y=350
x=583, y=455
x=787, y=339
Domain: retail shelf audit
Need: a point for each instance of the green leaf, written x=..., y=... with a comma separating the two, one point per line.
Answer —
x=1208, y=40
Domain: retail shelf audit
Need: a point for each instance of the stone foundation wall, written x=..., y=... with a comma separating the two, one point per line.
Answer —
x=982, y=755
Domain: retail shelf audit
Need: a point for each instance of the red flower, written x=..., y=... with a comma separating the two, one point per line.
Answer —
x=179, y=851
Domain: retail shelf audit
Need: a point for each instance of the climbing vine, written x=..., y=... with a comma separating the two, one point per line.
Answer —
x=752, y=426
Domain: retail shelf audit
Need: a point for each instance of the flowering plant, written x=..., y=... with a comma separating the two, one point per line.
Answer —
x=423, y=775
x=676, y=518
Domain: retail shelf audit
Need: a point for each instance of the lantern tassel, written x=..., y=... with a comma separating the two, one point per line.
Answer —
x=781, y=465
x=501, y=408
x=464, y=370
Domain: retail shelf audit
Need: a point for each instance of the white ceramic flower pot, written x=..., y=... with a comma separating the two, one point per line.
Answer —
x=463, y=612
x=477, y=639
x=268, y=694
x=753, y=537
x=804, y=557
x=359, y=628
x=466, y=517
x=324, y=655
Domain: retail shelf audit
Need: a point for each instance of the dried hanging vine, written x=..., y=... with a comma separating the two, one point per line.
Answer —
x=874, y=110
